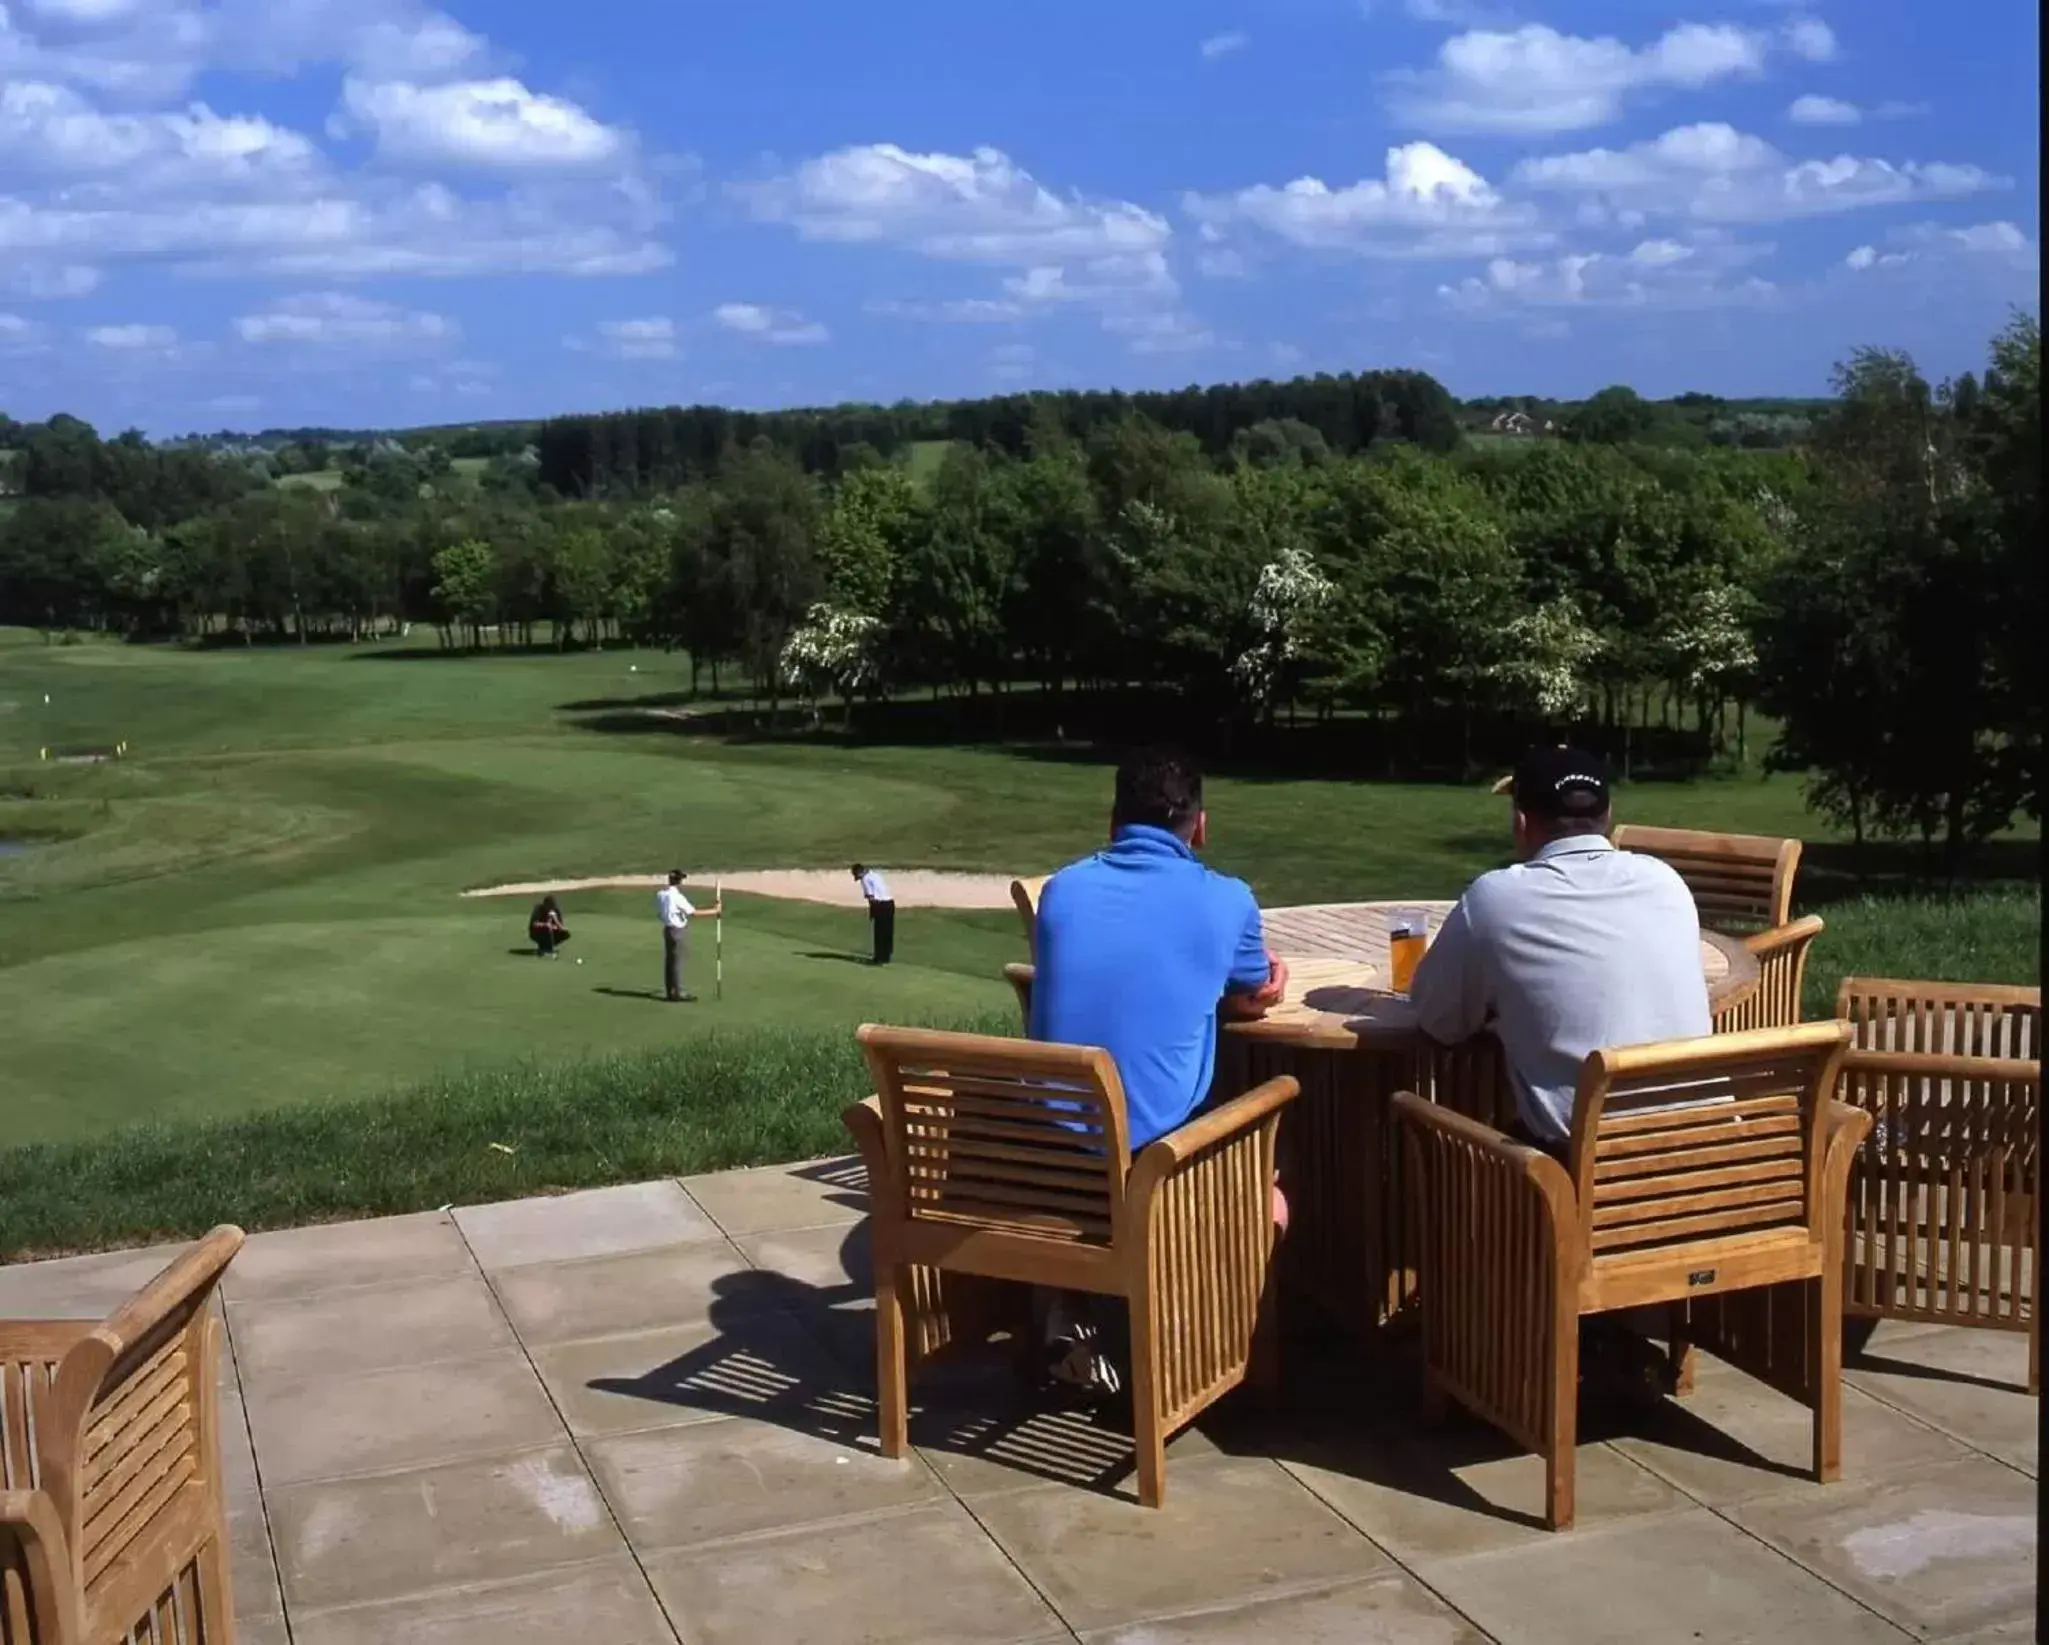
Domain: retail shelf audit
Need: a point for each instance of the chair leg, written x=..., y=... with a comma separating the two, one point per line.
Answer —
x=1148, y=1434
x=1825, y=1344
x=1263, y=1361
x=2034, y=1326
x=892, y=1377
x=216, y=1600
x=1682, y=1353
x=1560, y=1462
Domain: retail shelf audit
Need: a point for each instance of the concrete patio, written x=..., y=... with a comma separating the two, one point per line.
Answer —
x=643, y=1415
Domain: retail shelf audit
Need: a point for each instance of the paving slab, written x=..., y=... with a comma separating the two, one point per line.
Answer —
x=1429, y=1495
x=252, y=1571
x=777, y=1197
x=375, y=1328
x=681, y=1486
x=333, y=1256
x=1733, y=1439
x=1970, y=1384
x=347, y=1541
x=831, y=1264
x=1940, y=1551
x=600, y=1222
x=81, y=1287
x=1685, y=1576
x=676, y=1285
x=1385, y=1611
x=606, y=1602
x=326, y=1427
x=765, y=1366
x=1011, y=1442
x=1232, y=1530
x=925, y=1577
x=261, y=1630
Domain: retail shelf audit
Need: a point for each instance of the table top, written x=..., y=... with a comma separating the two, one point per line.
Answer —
x=1338, y=970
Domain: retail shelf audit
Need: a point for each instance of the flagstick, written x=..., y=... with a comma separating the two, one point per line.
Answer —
x=718, y=901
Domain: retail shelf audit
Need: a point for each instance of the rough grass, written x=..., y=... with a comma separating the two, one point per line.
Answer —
x=1985, y=936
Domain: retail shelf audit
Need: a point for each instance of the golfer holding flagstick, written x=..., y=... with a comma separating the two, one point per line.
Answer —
x=676, y=913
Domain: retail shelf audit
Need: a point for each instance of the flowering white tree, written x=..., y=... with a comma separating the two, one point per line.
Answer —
x=833, y=650
x=1709, y=652
x=1548, y=651
x=1290, y=594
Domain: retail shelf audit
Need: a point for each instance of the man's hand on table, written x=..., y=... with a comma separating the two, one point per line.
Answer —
x=1250, y=1007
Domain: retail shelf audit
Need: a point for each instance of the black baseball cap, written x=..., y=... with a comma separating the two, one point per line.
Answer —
x=1564, y=783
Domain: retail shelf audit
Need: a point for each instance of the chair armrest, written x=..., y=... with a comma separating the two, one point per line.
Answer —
x=863, y=1121
x=1844, y=1128
x=1205, y=1131
x=29, y=1519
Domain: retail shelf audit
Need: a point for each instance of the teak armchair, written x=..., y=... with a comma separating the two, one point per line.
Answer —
x=112, y=1516
x=1942, y=1211
x=1707, y=1174
x=1021, y=978
x=1024, y=894
x=1740, y=882
x=1781, y=955
x=1000, y=1160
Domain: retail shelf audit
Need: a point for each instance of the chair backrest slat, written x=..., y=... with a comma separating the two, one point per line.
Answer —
x=1740, y=882
x=1702, y=1138
x=1942, y=1018
x=1008, y=1134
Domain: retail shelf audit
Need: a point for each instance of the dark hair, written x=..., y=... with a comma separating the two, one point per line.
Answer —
x=550, y=906
x=858, y=869
x=675, y=876
x=1158, y=788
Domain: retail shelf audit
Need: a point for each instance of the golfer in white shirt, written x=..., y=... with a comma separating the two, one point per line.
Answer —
x=676, y=913
x=881, y=911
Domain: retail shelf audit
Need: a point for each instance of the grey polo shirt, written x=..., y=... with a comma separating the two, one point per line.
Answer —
x=1580, y=948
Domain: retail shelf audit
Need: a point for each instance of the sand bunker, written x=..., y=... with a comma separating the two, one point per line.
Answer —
x=914, y=887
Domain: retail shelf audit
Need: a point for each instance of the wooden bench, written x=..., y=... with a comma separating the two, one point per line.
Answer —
x=997, y=1164
x=112, y=1509
x=1704, y=1174
x=1740, y=882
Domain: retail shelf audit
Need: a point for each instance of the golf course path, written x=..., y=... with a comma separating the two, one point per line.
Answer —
x=914, y=887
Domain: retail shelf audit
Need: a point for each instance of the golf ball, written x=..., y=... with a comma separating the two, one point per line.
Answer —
x=579, y=959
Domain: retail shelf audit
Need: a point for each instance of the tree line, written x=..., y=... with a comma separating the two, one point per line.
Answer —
x=1876, y=591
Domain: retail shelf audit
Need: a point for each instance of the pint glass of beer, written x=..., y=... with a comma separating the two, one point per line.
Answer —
x=1408, y=934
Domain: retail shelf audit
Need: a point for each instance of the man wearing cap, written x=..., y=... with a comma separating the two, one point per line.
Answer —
x=1576, y=947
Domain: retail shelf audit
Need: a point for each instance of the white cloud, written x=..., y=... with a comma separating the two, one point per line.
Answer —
x=1658, y=274
x=1999, y=244
x=51, y=129
x=1224, y=45
x=1458, y=14
x=1823, y=111
x=1160, y=333
x=133, y=339
x=339, y=320
x=769, y=325
x=1811, y=38
x=1428, y=204
x=1101, y=282
x=19, y=336
x=496, y=123
x=653, y=338
x=49, y=282
x=981, y=207
x=1535, y=79
x=1713, y=173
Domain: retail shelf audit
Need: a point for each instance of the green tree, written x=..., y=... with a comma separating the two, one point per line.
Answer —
x=466, y=576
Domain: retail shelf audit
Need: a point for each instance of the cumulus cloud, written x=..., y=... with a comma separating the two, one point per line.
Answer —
x=1812, y=39
x=652, y=338
x=981, y=207
x=1823, y=111
x=1536, y=79
x=133, y=339
x=1164, y=333
x=335, y=319
x=52, y=130
x=1428, y=204
x=2001, y=245
x=1224, y=45
x=1713, y=173
x=495, y=123
x=1660, y=274
x=767, y=325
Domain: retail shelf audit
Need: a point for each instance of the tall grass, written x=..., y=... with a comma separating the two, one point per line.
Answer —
x=725, y=1100
x=1979, y=936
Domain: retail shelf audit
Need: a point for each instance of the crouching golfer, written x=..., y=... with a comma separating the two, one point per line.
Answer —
x=676, y=913
x=544, y=927
x=881, y=911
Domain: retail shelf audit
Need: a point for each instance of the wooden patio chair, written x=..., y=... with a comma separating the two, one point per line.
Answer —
x=1021, y=978
x=1740, y=882
x=1942, y=1211
x=1707, y=1174
x=1000, y=1160
x=1781, y=955
x=1968, y=1019
x=112, y=1510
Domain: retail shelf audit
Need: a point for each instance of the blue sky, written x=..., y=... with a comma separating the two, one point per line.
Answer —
x=253, y=213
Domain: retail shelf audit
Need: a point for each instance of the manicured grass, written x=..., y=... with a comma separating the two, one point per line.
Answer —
x=258, y=907
x=1985, y=936
x=319, y=479
x=727, y=1099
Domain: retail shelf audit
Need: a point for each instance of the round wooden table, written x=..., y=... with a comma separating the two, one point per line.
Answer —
x=1353, y=1044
